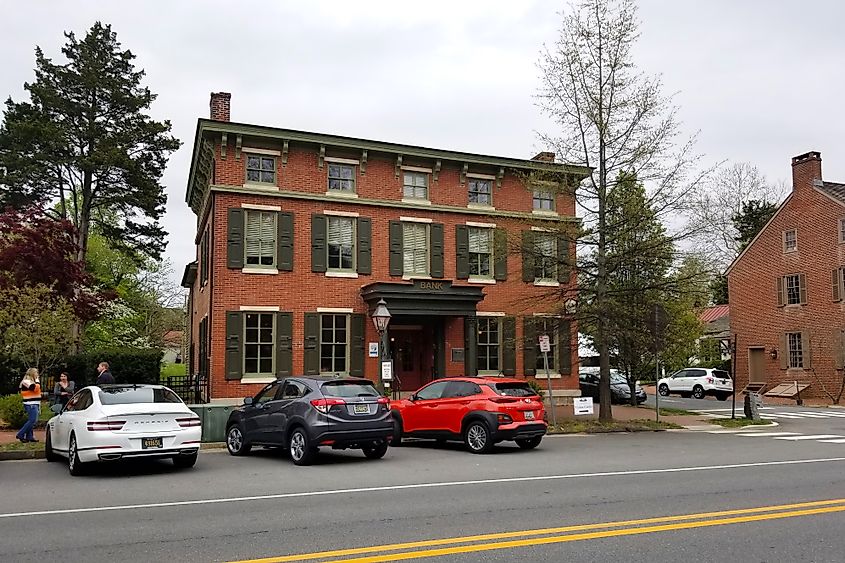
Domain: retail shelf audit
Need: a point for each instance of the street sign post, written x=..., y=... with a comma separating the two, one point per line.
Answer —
x=545, y=348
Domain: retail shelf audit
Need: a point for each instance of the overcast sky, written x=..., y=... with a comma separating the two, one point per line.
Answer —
x=762, y=80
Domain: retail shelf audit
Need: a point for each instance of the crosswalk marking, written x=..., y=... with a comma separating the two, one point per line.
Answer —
x=768, y=414
x=768, y=434
x=838, y=441
x=810, y=437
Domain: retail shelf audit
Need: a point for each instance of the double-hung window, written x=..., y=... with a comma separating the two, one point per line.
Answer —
x=842, y=230
x=545, y=257
x=547, y=326
x=790, y=240
x=341, y=244
x=341, y=178
x=544, y=200
x=489, y=344
x=415, y=185
x=795, y=349
x=259, y=346
x=260, y=169
x=415, y=249
x=260, y=238
x=480, y=192
x=792, y=286
x=480, y=252
x=334, y=344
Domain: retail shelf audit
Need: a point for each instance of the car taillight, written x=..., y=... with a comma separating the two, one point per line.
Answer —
x=501, y=400
x=383, y=401
x=189, y=422
x=709, y=380
x=502, y=418
x=94, y=425
x=323, y=405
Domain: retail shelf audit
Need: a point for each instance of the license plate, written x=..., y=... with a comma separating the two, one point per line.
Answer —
x=361, y=409
x=148, y=443
x=529, y=415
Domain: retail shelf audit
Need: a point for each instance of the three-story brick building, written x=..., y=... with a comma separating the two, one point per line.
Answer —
x=300, y=235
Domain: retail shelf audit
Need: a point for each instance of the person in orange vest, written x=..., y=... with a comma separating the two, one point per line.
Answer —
x=31, y=392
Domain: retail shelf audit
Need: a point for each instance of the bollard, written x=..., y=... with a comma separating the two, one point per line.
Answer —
x=752, y=404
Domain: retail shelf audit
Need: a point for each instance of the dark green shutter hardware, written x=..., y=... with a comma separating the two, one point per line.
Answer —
x=285, y=242
x=500, y=254
x=461, y=252
x=235, y=238
x=224, y=144
x=284, y=344
x=311, y=344
x=563, y=267
x=564, y=343
x=529, y=346
x=356, y=343
x=364, y=244
x=234, y=356
x=527, y=256
x=436, y=238
x=319, y=252
x=396, y=255
x=285, y=148
x=509, y=346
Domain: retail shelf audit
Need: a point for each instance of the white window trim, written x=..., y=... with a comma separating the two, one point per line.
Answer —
x=418, y=201
x=547, y=315
x=545, y=212
x=336, y=310
x=260, y=308
x=490, y=314
x=841, y=224
x=416, y=277
x=261, y=187
x=481, y=280
x=340, y=213
x=262, y=380
x=341, y=274
x=783, y=240
x=416, y=220
x=336, y=160
x=484, y=206
x=257, y=207
x=542, y=230
x=416, y=169
x=481, y=225
x=480, y=176
x=542, y=376
x=546, y=283
x=349, y=195
x=264, y=152
x=256, y=270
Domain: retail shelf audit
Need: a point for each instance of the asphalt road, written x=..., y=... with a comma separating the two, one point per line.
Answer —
x=563, y=501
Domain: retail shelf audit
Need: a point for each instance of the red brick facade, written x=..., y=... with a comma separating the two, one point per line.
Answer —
x=763, y=315
x=300, y=188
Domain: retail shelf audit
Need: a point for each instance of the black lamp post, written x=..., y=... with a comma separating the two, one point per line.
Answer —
x=381, y=318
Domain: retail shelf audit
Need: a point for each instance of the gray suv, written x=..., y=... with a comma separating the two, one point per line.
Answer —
x=306, y=413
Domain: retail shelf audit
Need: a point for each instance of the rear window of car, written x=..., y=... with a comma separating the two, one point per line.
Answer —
x=348, y=389
x=722, y=374
x=134, y=395
x=514, y=389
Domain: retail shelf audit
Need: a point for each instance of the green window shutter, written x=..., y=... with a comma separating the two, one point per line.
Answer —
x=234, y=337
x=396, y=257
x=470, y=346
x=284, y=344
x=806, y=349
x=461, y=252
x=500, y=254
x=564, y=269
x=779, y=284
x=529, y=346
x=311, y=344
x=509, y=346
x=564, y=347
x=364, y=246
x=784, y=352
x=319, y=250
x=802, y=289
x=836, y=280
x=235, y=238
x=527, y=256
x=284, y=239
x=356, y=345
x=436, y=240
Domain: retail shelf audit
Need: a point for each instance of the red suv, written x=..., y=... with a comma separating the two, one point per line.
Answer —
x=477, y=410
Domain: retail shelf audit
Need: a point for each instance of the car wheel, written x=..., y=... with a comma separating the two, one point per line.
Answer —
x=663, y=390
x=376, y=452
x=300, y=448
x=75, y=466
x=49, y=454
x=698, y=392
x=529, y=443
x=397, y=433
x=235, y=441
x=185, y=461
x=477, y=437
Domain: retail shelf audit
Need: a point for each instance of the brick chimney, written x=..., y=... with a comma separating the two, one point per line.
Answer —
x=219, y=106
x=545, y=157
x=806, y=168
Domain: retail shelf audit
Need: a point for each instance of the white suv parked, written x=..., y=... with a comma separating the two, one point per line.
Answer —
x=697, y=382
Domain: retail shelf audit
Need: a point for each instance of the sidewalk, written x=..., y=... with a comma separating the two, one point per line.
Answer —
x=627, y=412
x=8, y=436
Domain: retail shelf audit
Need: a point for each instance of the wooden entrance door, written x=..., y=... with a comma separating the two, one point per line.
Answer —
x=413, y=355
x=757, y=365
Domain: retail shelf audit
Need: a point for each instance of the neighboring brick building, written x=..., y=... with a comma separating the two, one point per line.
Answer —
x=786, y=288
x=299, y=235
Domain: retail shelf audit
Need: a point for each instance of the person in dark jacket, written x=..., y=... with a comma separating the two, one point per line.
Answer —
x=63, y=390
x=105, y=376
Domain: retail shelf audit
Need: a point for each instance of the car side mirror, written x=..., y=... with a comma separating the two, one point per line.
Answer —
x=413, y=398
x=247, y=400
x=57, y=408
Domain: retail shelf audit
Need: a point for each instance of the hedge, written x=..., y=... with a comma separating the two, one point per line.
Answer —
x=12, y=411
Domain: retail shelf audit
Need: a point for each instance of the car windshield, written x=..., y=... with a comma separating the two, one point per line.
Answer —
x=133, y=395
x=618, y=378
x=721, y=374
x=349, y=389
x=514, y=389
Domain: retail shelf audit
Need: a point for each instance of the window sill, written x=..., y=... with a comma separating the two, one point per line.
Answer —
x=481, y=206
x=264, y=187
x=416, y=201
x=488, y=281
x=544, y=212
x=416, y=277
x=542, y=375
x=259, y=271
x=341, y=274
x=793, y=251
x=347, y=195
x=546, y=283
x=260, y=380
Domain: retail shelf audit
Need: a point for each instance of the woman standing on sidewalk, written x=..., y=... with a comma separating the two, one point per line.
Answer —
x=31, y=392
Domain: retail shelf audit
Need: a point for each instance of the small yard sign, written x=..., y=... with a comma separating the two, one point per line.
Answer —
x=583, y=405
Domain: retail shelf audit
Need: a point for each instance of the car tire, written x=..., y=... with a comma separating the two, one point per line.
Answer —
x=529, y=443
x=376, y=452
x=299, y=446
x=49, y=454
x=477, y=437
x=236, y=442
x=698, y=392
x=185, y=461
x=74, y=465
x=663, y=390
x=397, y=432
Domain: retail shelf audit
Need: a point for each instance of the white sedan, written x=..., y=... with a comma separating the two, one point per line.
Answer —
x=123, y=421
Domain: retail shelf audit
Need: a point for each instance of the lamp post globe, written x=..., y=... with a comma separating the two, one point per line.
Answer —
x=381, y=316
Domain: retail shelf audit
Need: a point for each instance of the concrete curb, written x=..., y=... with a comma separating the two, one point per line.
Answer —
x=17, y=455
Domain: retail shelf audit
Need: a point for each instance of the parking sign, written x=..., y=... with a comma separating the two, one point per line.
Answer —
x=545, y=345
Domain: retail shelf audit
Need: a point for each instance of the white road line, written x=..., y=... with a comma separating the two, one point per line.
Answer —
x=768, y=434
x=387, y=488
x=838, y=441
x=810, y=437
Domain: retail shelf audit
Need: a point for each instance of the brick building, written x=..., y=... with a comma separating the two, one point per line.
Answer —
x=299, y=235
x=786, y=288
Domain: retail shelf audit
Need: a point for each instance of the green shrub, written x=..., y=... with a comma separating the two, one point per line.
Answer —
x=12, y=411
x=535, y=385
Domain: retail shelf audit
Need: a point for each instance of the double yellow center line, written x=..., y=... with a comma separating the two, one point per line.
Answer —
x=562, y=534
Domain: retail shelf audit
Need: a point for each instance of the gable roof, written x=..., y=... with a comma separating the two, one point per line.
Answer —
x=716, y=312
x=763, y=230
x=834, y=190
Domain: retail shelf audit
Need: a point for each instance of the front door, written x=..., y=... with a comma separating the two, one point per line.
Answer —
x=413, y=355
x=756, y=365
